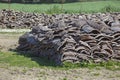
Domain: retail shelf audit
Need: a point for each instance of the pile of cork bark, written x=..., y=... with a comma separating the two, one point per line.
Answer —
x=75, y=38
x=18, y=20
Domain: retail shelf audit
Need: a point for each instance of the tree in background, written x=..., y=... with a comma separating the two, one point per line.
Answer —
x=39, y=1
x=49, y=1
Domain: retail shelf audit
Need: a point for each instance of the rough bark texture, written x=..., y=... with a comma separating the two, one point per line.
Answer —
x=68, y=37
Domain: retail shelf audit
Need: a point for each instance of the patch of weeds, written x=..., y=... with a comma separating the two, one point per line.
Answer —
x=37, y=11
x=42, y=73
x=64, y=79
x=54, y=10
x=118, y=75
x=110, y=65
x=98, y=68
x=96, y=74
x=76, y=76
x=69, y=65
x=110, y=8
x=24, y=71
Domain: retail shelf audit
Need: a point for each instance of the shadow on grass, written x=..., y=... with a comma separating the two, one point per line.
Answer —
x=41, y=61
x=44, y=62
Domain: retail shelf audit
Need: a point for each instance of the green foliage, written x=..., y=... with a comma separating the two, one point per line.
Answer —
x=79, y=7
x=110, y=8
x=54, y=10
x=64, y=78
x=111, y=65
x=57, y=10
x=30, y=60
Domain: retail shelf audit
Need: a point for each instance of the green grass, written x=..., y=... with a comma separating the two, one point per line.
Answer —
x=30, y=61
x=23, y=60
x=78, y=7
x=111, y=65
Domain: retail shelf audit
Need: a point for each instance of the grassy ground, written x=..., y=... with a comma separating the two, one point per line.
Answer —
x=24, y=66
x=84, y=7
x=28, y=60
x=20, y=59
x=24, y=60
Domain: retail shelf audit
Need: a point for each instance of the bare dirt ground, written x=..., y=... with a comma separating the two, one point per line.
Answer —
x=19, y=73
x=8, y=41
